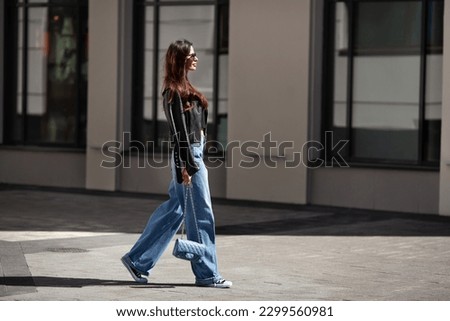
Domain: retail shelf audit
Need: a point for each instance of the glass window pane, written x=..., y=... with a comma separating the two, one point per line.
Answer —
x=433, y=108
x=37, y=74
x=51, y=75
x=52, y=109
x=388, y=27
x=433, y=91
x=386, y=86
x=196, y=24
x=222, y=109
x=148, y=62
x=143, y=126
x=340, y=60
x=435, y=28
x=17, y=134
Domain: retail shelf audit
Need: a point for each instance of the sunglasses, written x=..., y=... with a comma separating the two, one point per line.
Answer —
x=192, y=55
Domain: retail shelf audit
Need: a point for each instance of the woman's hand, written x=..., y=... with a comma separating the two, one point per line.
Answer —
x=186, y=177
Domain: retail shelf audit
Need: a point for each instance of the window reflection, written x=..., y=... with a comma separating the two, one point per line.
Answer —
x=195, y=23
x=379, y=68
x=51, y=74
x=199, y=24
x=433, y=96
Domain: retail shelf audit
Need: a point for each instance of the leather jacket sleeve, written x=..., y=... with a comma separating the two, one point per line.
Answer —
x=177, y=123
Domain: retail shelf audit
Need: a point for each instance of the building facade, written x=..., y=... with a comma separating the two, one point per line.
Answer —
x=335, y=103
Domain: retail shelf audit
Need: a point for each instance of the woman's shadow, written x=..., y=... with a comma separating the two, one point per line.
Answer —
x=49, y=281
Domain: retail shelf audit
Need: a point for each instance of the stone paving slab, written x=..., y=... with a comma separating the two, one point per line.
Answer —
x=66, y=246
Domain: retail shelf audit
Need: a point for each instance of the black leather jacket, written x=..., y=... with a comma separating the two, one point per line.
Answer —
x=185, y=128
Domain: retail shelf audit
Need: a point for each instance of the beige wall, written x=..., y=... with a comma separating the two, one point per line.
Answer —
x=102, y=92
x=376, y=189
x=45, y=167
x=109, y=92
x=268, y=92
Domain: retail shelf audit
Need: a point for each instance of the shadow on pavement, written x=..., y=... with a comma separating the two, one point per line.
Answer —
x=27, y=209
x=47, y=281
x=355, y=223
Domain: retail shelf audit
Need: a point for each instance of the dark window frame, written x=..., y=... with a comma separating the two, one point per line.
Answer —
x=328, y=87
x=11, y=61
x=221, y=13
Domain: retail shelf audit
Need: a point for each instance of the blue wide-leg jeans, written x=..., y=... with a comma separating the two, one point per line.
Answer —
x=166, y=221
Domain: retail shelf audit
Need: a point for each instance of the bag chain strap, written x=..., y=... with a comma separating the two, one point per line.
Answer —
x=189, y=191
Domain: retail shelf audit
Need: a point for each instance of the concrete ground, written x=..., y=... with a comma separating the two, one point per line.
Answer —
x=66, y=245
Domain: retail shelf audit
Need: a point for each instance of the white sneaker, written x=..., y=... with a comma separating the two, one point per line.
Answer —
x=222, y=283
x=138, y=277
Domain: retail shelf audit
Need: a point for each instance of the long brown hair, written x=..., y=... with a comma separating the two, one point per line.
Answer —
x=175, y=73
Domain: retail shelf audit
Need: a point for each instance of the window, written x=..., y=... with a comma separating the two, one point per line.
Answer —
x=383, y=84
x=46, y=68
x=159, y=23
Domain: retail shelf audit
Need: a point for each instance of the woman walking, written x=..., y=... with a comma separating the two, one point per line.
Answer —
x=186, y=112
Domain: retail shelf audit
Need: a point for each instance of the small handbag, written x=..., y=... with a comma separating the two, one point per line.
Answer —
x=187, y=249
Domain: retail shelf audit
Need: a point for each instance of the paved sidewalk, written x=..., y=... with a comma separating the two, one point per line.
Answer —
x=62, y=245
